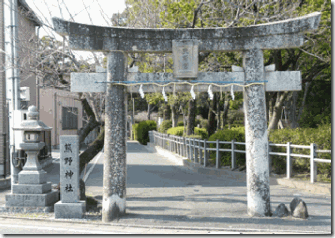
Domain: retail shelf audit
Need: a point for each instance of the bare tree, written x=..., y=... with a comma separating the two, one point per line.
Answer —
x=51, y=62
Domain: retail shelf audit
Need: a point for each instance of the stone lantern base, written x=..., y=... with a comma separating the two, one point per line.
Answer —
x=31, y=195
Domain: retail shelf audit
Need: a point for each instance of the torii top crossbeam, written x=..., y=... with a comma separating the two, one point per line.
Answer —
x=276, y=35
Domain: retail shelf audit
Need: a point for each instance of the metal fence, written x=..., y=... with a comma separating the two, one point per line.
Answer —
x=198, y=151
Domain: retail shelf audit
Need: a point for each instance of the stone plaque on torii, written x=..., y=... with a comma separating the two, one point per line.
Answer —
x=250, y=40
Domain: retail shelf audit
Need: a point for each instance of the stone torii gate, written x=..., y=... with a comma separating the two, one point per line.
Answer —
x=185, y=45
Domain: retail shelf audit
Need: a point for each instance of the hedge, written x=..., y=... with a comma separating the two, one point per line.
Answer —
x=141, y=130
x=165, y=125
x=321, y=136
x=181, y=123
x=179, y=131
x=237, y=133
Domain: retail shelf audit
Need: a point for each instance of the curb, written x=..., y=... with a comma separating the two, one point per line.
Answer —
x=118, y=224
x=319, y=188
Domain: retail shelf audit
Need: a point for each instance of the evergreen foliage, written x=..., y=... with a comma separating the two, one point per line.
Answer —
x=166, y=124
x=179, y=131
x=141, y=131
x=237, y=133
x=181, y=123
x=320, y=136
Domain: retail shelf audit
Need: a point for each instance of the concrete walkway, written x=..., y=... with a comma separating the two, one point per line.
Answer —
x=164, y=195
x=161, y=193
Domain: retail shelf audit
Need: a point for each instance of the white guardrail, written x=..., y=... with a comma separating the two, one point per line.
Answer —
x=197, y=151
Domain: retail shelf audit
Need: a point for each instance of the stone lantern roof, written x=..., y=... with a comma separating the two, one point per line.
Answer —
x=32, y=124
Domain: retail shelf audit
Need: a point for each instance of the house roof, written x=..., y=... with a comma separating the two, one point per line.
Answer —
x=31, y=15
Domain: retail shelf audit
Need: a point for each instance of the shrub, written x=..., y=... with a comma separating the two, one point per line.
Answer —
x=197, y=122
x=179, y=131
x=135, y=126
x=204, y=123
x=227, y=126
x=166, y=124
x=237, y=133
x=201, y=132
x=195, y=136
x=321, y=136
x=181, y=123
x=141, y=131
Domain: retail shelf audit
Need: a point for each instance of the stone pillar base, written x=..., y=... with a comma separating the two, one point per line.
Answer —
x=70, y=210
x=21, y=209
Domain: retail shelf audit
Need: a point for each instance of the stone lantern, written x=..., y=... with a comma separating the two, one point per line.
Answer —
x=32, y=129
x=33, y=192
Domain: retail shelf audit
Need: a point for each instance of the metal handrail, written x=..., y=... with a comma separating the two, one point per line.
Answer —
x=195, y=148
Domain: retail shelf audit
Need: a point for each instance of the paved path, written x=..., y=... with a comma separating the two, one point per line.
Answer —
x=160, y=193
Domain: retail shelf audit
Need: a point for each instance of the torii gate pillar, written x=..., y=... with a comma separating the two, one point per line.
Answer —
x=258, y=189
x=114, y=185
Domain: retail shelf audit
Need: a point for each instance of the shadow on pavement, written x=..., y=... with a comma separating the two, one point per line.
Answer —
x=53, y=171
x=157, y=176
x=136, y=147
x=182, y=198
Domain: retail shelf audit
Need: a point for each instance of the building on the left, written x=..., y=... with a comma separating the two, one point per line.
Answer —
x=61, y=110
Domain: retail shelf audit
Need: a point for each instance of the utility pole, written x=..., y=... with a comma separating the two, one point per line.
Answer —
x=13, y=75
x=3, y=106
x=37, y=76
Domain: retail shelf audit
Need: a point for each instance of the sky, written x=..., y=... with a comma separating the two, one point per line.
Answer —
x=97, y=12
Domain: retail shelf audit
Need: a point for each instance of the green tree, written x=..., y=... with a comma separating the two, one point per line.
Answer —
x=313, y=59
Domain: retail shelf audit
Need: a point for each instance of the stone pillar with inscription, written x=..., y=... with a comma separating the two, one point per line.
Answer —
x=70, y=205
